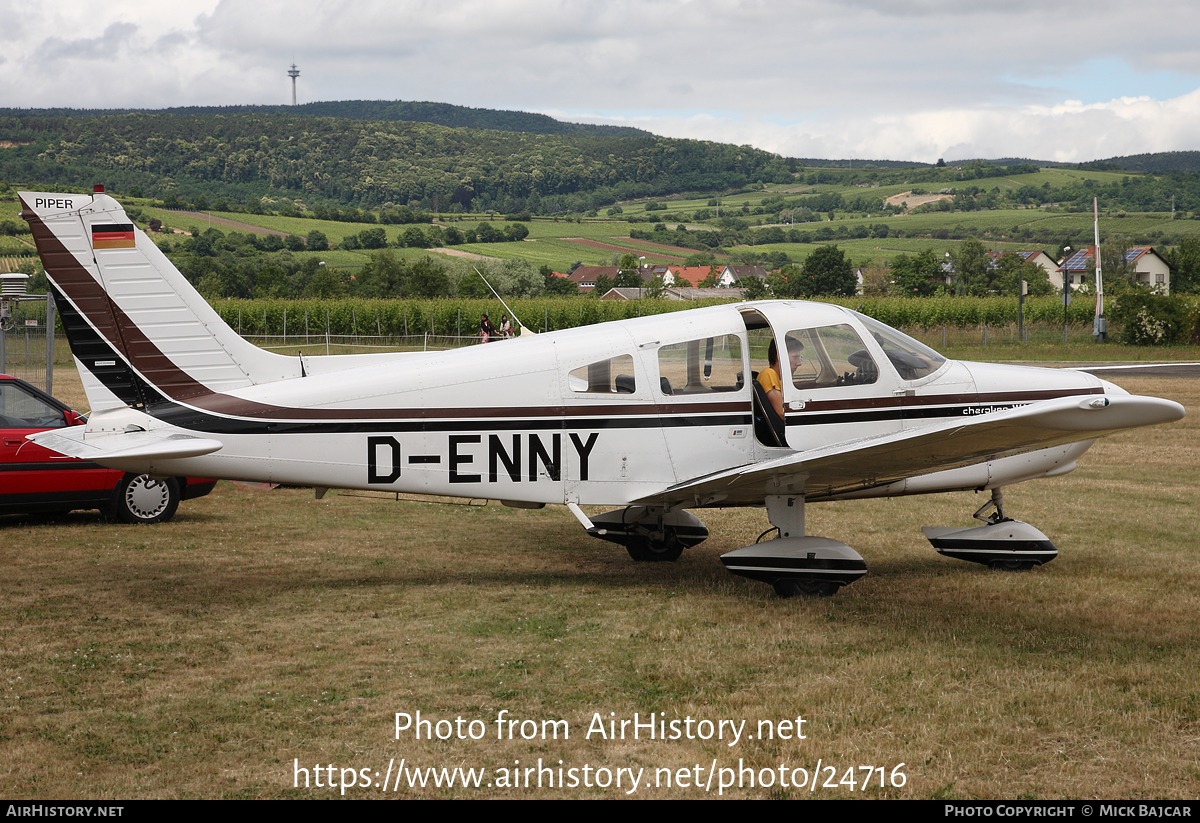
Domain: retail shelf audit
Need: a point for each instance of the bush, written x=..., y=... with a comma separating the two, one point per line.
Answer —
x=1153, y=320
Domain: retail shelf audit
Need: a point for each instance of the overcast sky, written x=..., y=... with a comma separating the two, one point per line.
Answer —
x=1066, y=80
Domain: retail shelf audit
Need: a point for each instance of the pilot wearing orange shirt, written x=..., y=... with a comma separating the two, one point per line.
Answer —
x=769, y=378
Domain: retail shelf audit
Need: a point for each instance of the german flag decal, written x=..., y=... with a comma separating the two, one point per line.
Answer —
x=113, y=236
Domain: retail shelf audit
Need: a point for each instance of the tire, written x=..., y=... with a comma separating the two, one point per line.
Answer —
x=139, y=498
x=1013, y=565
x=646, y=551
x=791, y=587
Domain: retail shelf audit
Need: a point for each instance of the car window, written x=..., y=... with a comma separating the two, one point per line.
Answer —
x=21, y=409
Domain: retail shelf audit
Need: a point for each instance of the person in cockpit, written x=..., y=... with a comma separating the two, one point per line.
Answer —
x=771, y=378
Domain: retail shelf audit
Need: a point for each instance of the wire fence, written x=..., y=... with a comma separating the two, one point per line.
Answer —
x=1010, y=335
x=23, y=345
x=360, y=343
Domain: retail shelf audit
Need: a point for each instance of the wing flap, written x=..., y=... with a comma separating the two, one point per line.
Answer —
x=876, y=461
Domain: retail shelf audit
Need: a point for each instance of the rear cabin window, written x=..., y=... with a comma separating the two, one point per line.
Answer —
x=710, y=364
x=611, y=376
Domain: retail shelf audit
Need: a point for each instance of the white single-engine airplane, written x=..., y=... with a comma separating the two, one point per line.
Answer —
x=656, y=416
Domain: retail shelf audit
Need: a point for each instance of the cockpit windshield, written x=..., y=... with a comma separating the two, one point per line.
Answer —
x=912, y=360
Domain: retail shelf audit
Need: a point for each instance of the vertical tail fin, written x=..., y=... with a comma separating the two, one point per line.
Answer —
x=137, y=328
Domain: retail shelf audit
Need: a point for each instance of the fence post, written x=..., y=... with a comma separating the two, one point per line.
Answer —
x=306, y=325
x=378, y=327
x=460, y=324
x=985, y=334
x=546, y=318
x=49, y=343
x=406, y=321
x=239, y=321
x=327, y=330
x=354, y=323
x=285, y=325
x=943, y=336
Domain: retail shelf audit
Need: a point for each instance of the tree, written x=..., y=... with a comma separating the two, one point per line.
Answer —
x=713, y=279
x=556, y=285
x=372, y=238
x=628, y=276
x=316, y=241
x=381, y=276
x=917, y=276
x=973, y=269
x=826, y=272
x=514, y=276
x=472, y=286
x=414, y=238
x=426, y=278
x=1011, y=269
x=1119, y=274
x=628, y=279
x=755, y=289
x=1185, y=266
x=877, y=281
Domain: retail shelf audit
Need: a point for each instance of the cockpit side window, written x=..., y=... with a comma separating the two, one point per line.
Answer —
x=829, y=356
x=912, y=360
x=710, y=364
x=611, y=376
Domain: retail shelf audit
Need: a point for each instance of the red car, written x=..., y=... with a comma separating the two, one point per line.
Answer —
x=35, y=479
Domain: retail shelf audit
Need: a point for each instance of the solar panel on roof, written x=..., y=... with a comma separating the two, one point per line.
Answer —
x=1077, y=261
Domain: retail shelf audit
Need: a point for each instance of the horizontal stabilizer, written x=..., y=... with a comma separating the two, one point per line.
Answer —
x=106, y=446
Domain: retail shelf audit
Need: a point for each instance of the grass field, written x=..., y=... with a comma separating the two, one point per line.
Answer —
x=265, y=631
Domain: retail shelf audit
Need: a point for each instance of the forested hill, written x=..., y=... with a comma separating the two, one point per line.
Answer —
x=1160, y=163
x=247, y=156
x=441, y=114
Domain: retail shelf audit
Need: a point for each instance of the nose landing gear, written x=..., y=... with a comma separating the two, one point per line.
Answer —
x=1003, y=543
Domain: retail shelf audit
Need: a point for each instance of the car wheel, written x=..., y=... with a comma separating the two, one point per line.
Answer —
x=139, y=498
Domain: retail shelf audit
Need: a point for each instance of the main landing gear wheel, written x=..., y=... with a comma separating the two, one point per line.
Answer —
x=792, y=587
x=139, y=498
x=1013, y=565
x=647, y=550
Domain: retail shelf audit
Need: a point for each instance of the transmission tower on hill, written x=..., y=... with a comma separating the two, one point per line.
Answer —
x=293, y=73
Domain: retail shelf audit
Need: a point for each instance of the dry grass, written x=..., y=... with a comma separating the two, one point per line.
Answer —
x=198, y=658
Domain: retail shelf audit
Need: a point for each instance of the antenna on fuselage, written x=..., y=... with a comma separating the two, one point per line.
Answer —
x=524, y=329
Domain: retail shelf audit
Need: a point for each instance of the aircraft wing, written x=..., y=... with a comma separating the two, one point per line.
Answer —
x=875, y=461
